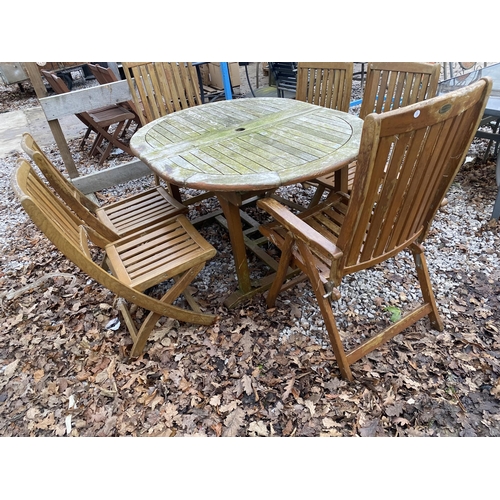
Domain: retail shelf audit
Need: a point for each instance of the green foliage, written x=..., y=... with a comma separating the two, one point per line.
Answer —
x=395, y=313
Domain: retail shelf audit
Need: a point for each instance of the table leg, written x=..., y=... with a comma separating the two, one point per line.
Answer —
x=342, y=179
x=240, y=241
x=232, y=215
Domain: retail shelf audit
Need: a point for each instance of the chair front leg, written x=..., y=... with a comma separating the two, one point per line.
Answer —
x=285, y=259
x=325, y=307
x=85, y=137
x=426, y=287
x=109, y=147
x=127, y=317
x=149, y=322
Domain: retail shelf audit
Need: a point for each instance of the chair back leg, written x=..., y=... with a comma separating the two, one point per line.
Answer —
x=426, y=286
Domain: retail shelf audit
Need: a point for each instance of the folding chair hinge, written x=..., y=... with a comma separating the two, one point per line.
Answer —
x=332, y=293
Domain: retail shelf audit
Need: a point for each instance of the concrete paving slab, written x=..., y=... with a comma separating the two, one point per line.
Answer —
x=12, y=127
x=15, y=123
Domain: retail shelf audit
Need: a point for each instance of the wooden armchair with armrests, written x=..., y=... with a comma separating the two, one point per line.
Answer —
x=407, y=160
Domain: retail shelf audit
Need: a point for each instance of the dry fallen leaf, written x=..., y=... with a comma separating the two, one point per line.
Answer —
x=328, y=422
x=233, y=422
x=288, y=388
x=310, y=406
x=495, y=391
x=38, y=375
x=68, y=425
x=258, y=428
x=9, y=370
x=215, y=400
x=247, y=384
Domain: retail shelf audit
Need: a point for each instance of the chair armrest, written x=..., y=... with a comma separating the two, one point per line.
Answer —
x=299, y=228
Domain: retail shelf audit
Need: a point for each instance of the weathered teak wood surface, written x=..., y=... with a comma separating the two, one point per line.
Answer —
x=247, y=144
x=79, y=101
x=243, y=148
x=407, y=160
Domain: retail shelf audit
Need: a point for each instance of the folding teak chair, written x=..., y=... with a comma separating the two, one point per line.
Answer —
x=407, y=160
x=169, y=250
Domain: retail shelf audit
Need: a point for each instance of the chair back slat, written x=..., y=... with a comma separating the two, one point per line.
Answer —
x=160, y=88
x=393, y=85
x=155, y=88
x=83, y=207
x=407, y=161
x=284, y=75
x=325, y=84
x=53, y=210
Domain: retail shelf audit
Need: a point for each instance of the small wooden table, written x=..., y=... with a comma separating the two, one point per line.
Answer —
x=247, y=147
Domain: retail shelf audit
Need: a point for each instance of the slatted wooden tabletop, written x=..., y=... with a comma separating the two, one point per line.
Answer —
x=248, y=144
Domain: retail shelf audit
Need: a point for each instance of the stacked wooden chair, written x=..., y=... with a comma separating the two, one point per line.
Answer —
x=113, y=220
x=168, y=250
x=407, y=160
x=388, y=86
x=105, y=76
x=285, y=77
x=108, y=123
